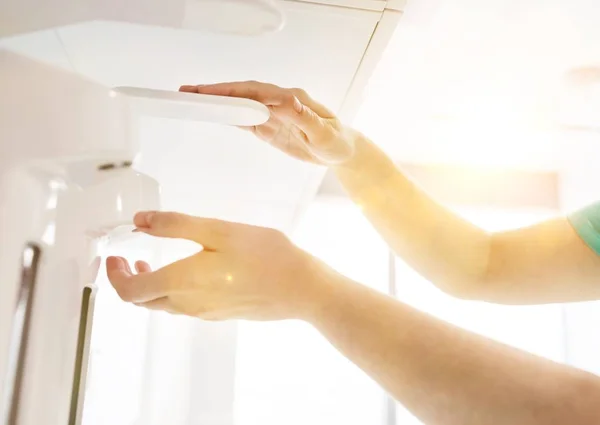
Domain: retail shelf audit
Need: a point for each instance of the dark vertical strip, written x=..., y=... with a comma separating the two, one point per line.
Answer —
x=81, y=340
x=21, y=327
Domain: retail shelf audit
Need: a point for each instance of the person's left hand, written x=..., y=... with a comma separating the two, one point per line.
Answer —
x=243, y=272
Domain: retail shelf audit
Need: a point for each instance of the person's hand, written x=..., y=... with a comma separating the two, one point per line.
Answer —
x=243, y=272
x=299, y=126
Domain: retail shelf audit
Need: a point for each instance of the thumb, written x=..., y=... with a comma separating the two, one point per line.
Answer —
x=209, y=233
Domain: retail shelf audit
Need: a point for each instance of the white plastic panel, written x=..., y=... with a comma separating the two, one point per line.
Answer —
x=43, y=45
x=224, y=110
x=358, y=4
x=319, y=49
x=247, y=17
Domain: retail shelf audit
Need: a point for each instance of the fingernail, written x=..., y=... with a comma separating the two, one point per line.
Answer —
x=144, y=218
x=188, y=87
x=297, y=105
x=116, y=262
x=148, y=217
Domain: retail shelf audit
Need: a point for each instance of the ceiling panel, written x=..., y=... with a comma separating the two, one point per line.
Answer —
x=471, y=81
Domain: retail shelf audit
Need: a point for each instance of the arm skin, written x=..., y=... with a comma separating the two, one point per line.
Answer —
x=447, y=376
x=544, y=263
x=443, y=374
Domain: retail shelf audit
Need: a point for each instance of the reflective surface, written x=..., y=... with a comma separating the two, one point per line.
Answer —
x=20, y=334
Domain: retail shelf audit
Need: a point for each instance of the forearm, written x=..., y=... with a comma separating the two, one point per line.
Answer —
x=445, y=375
x=443, y=247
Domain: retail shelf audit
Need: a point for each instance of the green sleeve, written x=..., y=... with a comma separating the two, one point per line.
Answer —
x=586, y=223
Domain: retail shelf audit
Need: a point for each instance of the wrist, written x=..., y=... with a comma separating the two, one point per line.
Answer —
x=366, y=156
x=325, y=289
x=357, y=141
x=367, y=173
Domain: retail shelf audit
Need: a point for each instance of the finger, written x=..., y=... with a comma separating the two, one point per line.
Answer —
x=283, y=102
x=142, y=267
x=127, y=266
x=306, y=99
x=313, y=128
x=119, y=262
x=267, y=94
x=181, y=276
x=306, y=114
x=190, y=88
x=209, y=233
x=298, y=150
x=146, y=286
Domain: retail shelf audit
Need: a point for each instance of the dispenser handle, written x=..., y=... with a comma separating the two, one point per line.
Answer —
x=20, y=334
x=195, y=107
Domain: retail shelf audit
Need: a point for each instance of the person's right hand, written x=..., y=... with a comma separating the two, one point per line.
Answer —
x=299, y=126
x=243, y=272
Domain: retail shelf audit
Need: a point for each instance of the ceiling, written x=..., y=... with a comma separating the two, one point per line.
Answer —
x=470, y=81
x=462, y=81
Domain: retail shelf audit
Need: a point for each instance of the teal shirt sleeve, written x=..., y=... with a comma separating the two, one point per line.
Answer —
x=586, y=223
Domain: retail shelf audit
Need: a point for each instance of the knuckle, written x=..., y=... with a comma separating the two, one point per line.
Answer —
x=222, y=226
x=222, y=229
x=330, y=134
x=316, y=119
x=288, y=98
x=274, y=234
x=299, y=92
x=335, y=124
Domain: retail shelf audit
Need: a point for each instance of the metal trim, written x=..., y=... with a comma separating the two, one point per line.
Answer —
x=21, y=326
